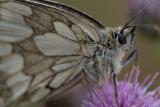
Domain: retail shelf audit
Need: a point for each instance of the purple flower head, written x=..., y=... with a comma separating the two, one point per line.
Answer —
x=131, y=93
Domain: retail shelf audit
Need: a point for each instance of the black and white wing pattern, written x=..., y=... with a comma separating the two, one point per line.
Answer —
x=41, y=48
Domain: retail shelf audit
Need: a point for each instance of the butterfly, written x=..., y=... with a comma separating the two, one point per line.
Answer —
x=46, y=47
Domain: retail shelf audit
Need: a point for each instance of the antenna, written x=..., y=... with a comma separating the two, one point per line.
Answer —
x=139, y=12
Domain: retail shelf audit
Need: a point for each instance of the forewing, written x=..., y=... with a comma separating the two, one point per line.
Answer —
x=40, y=50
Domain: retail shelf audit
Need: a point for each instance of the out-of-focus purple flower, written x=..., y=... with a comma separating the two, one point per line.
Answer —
x=151, y=13
x=149, y=20
x=131, y=93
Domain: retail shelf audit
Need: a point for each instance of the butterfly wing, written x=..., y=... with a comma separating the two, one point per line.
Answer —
x=41, y=48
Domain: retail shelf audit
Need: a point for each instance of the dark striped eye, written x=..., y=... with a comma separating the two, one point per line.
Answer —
x=122, y=39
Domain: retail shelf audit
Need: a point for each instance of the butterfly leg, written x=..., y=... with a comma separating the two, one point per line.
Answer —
x=115, y=88
x=132, y=56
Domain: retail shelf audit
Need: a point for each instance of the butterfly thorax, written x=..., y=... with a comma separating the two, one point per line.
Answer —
x=100, y=58
x=104, y=57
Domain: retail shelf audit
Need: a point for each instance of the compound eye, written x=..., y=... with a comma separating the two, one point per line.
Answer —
x=122, y=39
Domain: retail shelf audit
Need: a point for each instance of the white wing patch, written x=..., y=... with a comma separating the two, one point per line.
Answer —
x=39, y=67
x=67, y=69
x=5, y=49
x=64, y=66
x=36, y=87
x=12, y=25
x=12, y=32
x=10, y=16
x=11, y=64
x=92, y=32
x=52, y=44
x=60, y=78
x=18, y=8
x=68, y=59
x=76, y=72
x=40, y=94
x=64, y=30
x=43, y=76
x=18, y=84
x=79, y=34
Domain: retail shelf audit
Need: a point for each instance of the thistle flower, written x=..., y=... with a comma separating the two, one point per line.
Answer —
x=131, y=93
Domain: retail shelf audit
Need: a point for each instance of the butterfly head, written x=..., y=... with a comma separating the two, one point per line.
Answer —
x=120, y=37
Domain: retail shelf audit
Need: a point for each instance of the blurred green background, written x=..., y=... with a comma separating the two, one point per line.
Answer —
x=114, y=13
